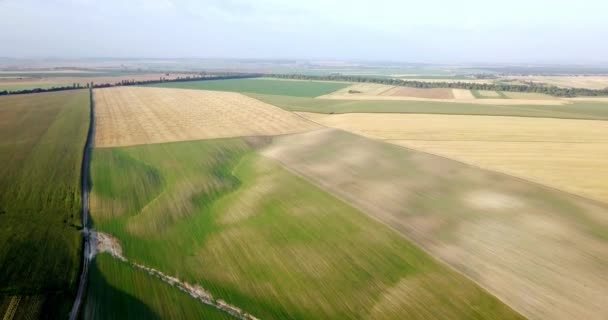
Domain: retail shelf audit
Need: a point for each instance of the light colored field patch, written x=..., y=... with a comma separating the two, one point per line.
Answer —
x=580, y=168
x=137, y=115
x=462, y=94
x=432, y=93
x=489, y=200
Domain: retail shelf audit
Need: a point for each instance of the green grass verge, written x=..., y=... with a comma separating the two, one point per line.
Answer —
x=576, y=110
x=41, y=141
x=261, y=86
x=118, y=291
x=218, y=214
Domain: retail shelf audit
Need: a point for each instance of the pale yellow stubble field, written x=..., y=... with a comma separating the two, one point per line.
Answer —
x=571, y=155
x=139, y=115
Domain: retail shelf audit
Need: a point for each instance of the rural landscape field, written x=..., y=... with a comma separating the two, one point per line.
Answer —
x=303, y=160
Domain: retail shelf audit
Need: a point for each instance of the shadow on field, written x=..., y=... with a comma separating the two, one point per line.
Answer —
x=104, y=301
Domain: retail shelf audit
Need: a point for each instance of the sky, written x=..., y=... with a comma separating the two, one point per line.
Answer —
x=432, y=31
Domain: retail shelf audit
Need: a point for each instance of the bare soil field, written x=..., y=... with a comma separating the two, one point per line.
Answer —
x=433, y=93
x=590, y=82
x=571, y=155
x=542, y=251
x=140, y=115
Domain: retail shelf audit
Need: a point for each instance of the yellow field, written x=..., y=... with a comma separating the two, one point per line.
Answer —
x=139, y=115
x=571, y=155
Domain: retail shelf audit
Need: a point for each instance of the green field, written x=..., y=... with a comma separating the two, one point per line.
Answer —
x=262, y=86
x=218, y=214
x=41, y=141
x=576, y=110
x=117, y=291
x=479, y=95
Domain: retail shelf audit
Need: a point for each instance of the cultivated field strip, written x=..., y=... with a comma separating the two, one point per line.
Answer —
x=140, y=115
x=571, y=155
x=542, y=251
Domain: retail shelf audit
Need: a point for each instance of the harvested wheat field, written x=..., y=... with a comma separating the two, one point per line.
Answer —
x=433, y=93
x=571, y=155
x=540, y=250
x=138, y=115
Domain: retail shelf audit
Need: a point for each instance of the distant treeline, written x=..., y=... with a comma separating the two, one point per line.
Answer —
x=75, y=86
x=527, y=87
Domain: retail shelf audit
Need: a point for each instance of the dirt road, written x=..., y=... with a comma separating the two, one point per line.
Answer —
x=84, y=187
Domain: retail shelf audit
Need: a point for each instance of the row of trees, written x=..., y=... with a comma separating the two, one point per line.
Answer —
x=205, y=76
x=527, y=87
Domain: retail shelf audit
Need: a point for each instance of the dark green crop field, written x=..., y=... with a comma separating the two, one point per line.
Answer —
x=262, y=86
x=41, y=141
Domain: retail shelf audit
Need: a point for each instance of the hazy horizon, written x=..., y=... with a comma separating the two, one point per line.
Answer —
x=465, y=32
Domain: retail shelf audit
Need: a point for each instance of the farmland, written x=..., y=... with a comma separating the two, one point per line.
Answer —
x=41, y=142
x=566, y=154
x=218, y=214
x=262, y=86
x=515, y=238
x=137, y=115
x=578, y=109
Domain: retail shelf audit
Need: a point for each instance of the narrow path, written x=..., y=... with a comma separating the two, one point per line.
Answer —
x=12, y=308
x=102, y=242
x=84, y=188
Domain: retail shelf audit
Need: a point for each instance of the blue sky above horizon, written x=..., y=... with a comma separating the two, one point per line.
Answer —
x=433, y=31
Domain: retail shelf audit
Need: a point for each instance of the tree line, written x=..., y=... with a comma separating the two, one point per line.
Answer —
x=76, y=86
x=526, y=87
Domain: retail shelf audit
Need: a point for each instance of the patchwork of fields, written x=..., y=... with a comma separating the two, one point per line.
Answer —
x=41, y=141
x=288, y=199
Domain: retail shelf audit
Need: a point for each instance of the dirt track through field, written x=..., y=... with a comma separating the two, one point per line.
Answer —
x=103, y=242
x=140, y=115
